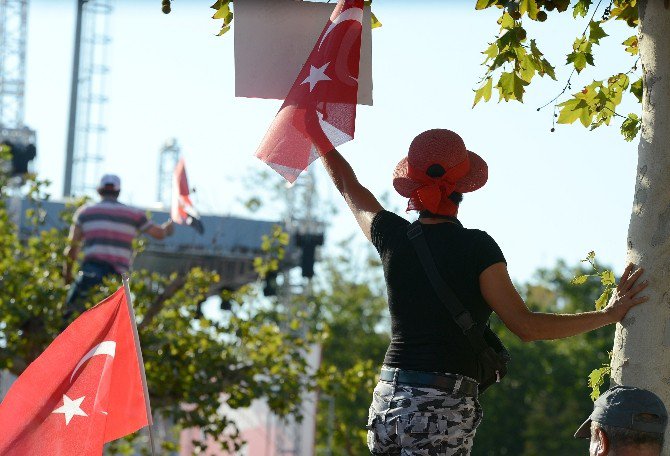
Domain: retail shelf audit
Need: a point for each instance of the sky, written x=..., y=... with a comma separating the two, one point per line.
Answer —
x=549, y=196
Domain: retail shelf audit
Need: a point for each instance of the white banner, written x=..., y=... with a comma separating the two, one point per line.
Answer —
x=273, y=40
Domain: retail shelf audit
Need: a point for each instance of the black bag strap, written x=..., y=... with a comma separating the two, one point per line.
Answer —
x=460, y=314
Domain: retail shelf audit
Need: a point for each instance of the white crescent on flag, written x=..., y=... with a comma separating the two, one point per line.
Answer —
x=107, y=347
x=352, y=14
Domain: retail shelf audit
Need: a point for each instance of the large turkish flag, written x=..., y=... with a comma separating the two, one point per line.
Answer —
x=84, y=390
x=319, y=113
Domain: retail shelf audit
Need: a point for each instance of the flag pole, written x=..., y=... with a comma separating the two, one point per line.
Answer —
x=129, y=301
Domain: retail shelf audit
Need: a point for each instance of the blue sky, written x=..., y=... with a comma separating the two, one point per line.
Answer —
x=549, y=195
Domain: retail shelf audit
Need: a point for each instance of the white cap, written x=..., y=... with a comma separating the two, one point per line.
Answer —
x=110, y=180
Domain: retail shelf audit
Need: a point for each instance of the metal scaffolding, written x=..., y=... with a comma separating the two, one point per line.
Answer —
x=13, y=32
x=13, y=40
x=88, y=97
x=167, y=161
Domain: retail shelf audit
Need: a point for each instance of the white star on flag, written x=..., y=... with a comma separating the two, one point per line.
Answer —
x=71, y=408
x=316, y=75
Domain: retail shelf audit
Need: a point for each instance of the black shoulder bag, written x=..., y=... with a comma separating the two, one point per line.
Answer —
x=492, y=356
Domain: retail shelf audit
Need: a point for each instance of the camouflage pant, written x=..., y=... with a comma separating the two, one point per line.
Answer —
x=405, y=420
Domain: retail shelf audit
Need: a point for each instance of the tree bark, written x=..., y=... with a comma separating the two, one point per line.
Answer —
x=641, y=355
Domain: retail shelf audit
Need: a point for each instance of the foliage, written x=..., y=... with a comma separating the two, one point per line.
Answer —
x=518, y=59
x=194, y=365
x=607, y=280
x=541, y=402
x=522, y=62
x=224, y=12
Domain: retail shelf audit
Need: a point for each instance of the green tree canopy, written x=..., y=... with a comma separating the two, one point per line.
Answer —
x=513, y=59
x=193, y=364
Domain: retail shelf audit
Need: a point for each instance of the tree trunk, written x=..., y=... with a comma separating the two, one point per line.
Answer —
x=641, y=354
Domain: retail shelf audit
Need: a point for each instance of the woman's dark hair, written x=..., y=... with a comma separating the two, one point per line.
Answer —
x=455, y=198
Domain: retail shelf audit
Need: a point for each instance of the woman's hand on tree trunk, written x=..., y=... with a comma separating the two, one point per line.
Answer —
x=625, y=295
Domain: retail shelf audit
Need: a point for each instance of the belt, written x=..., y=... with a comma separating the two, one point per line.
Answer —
x=453, y=383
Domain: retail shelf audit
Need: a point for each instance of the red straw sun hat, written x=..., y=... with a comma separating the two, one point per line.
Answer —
x=442, y=154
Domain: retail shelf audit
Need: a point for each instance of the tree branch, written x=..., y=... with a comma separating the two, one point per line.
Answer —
x=158, y=303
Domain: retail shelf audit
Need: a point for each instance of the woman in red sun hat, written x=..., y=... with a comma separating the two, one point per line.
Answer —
x=426, y=398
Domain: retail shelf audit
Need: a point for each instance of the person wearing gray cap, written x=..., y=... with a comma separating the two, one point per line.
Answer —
x=626, y=421
x=107, y=230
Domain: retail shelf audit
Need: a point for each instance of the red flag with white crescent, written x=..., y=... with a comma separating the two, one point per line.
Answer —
x=83, y=391
x=319, y=112
x=183, y=211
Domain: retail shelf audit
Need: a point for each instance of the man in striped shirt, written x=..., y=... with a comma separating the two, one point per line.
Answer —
x=107, y=230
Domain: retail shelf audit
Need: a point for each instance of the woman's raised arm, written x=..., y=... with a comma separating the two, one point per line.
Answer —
x=361, y=201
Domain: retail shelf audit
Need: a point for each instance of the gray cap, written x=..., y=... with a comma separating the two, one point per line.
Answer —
x=627, y=407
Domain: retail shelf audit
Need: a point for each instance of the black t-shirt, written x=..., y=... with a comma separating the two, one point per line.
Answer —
x=424, y=336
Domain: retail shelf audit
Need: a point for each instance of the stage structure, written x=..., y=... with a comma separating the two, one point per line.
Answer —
x=86, y=126
x=228, y=246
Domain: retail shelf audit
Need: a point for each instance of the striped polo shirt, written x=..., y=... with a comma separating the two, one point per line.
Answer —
x=108, y=229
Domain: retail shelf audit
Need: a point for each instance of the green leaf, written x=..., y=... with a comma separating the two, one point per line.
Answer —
x=580, y=279
x=601, y=302
x=579, y=60
x=542, y=65
x=607, y=278
x=632, y=45
x=528, y=68
x=572, y=110
x=596, y=32
x=491, y=52
x=597, y=378
x=506, y=21
x=483, y=92
x=581, y=8
x=375, y=22
x=223, y=30
x=483, y=4
x=626, y=11
x=631, y=127
x=581, y=55
x=534, y=50
x=529, y=7
x=222, y=12
x=636, y=89
x=511, y=87
x=547, y=69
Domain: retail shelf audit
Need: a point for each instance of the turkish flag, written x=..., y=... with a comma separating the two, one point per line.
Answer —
x=319, y=112
x=183, y=211
x=84, y=390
